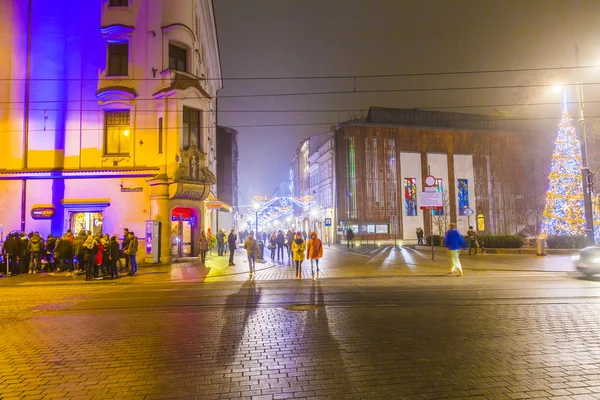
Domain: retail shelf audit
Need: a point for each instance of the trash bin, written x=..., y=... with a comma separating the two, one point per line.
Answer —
x=261, y=250
x=541, y=246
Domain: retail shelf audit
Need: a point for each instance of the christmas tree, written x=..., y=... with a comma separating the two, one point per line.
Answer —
x=564, y=213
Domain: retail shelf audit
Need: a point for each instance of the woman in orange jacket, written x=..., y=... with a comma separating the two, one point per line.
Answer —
x=314, y=251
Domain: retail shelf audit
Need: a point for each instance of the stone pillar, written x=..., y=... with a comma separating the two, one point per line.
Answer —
x=160, y=210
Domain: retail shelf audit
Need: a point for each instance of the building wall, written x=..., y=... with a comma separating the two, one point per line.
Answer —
x=463, y=169
x=497, y=160
x=410, y=165
x=59, y=91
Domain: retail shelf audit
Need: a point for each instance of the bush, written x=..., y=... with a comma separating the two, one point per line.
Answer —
x=566, y=242
x=437, y=240
x=501, y=241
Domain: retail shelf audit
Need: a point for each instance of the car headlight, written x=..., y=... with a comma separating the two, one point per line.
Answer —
x=575, y=257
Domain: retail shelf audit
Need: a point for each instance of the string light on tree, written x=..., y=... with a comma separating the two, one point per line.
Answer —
x=564, y=212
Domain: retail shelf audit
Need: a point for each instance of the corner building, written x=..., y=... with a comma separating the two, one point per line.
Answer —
x=108, y=117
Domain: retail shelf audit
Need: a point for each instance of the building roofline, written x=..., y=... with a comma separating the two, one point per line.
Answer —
x=427, y=127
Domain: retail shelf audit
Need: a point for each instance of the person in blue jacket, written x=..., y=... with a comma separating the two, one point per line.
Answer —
x=454, y=242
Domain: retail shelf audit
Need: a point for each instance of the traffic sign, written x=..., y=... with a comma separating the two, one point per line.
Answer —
x=467, y=212
x=327, y=221
x=430, y=180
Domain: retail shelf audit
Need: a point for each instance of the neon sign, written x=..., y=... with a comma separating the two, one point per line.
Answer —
x=43, y=212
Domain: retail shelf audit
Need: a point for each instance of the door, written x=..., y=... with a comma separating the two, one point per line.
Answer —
x=86, y=221
x=182, y=222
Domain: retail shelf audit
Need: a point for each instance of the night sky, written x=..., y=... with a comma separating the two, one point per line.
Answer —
x=340, y=38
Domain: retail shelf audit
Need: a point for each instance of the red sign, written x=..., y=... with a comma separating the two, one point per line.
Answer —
x=43, y=212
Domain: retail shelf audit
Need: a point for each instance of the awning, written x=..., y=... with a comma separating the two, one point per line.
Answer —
x=224, y=206
x=85, y=205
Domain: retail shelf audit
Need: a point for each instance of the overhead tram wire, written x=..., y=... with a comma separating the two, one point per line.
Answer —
x=396, y=75
x=348, y=110
x=262, y=95
x=496, y=119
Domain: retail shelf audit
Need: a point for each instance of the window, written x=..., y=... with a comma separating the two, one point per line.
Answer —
x=118, y=59
x=463, y=196
x=118, y=3
x=116, y=133
x=191, y=128
x=410, y=197
x=160, y=136
x=177, y=58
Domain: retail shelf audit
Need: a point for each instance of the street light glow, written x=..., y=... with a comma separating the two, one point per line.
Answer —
x=557, y=89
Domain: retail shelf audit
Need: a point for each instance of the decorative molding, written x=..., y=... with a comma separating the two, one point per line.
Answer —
x=116, y=30
x=179, y=26
x=116, y=94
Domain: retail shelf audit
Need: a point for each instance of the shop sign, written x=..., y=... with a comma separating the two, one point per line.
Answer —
x=327, y=221
x=131, y=189
x=43, y=212
x=480, y=222
x=213, y=205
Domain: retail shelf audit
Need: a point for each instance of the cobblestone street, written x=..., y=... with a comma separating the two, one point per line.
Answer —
x=420, y=334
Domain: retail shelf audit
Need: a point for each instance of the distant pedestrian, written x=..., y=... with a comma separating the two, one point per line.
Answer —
x=280, y=241
x=298, y=249
x=203, y=246
x=419, y=235
x=50, y=246
x=350, y=238
x=98, y=268
x=36, y=247
x=79, y=251
x=220, y=242
x=231, y=241
x=125, y=246
x=314, y=252
x=472, y=240
x=132, y=253
x=251, y=247
x=11, y=251
x=114, y=255
x=289, y=240
x=454, y=242
x=273, y=245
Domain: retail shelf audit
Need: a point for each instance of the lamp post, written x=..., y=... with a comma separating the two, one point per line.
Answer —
x=256, y=206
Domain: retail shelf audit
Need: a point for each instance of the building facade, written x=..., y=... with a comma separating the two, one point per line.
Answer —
x=111, y=117
x=227, y=171
x=381, y=166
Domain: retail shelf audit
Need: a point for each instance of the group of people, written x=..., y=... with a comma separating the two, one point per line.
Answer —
x=98, y=256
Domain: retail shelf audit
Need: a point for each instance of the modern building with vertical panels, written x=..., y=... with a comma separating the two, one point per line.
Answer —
x=381, y=165
x=108, y=117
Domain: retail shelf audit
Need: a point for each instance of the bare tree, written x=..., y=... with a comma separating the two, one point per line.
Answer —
x=441, y=223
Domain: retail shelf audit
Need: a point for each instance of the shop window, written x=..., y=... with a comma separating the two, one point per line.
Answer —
x=118, y=3
x=118, y=59
x=463, y=196
x=410, y=197
x=177, y=58
x=382, y=229
x=86, y=221
x=191, y=128
x=116, y=133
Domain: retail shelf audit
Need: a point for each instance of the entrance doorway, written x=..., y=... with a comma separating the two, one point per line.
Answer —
x=86, y=221
x=183, y=221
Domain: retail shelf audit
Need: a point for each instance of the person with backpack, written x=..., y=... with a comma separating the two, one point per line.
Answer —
x=90, y=249
x=35, y=249
x=314, y=252
x=251, y=246
x=472, y=240
x=298, y=246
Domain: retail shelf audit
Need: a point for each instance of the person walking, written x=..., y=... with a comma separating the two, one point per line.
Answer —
x=280, y=241
x=90, y=248
x=251, y=247
x=350, y=237
x=220, y=242
x=132, y=253
x=231, y=241
x=273, y=245
x=211, y=241
x=454, y=241
x=298, y=248
x=472, y=240
x=289, y=240
x=114, y=255
x=36, y=247
x=11, y=250
x=314, y=252
x=203, y=246
x=99, y=267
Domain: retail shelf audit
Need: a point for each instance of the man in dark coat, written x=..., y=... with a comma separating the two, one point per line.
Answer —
x=125, y=245
x=114, y=255
x=350, y=237
x=220, y=242
x=63, y=254
x=12, y=251
x=231, y=242
x=280, y=243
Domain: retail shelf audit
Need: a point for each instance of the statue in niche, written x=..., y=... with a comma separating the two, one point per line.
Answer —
x=194, y=167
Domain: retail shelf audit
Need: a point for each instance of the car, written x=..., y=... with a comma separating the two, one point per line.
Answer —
x=587, y=260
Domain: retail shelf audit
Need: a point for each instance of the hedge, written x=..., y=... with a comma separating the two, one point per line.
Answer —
x=566, y=242
x=489, y=241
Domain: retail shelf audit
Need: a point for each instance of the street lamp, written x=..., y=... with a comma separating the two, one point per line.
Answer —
x=256, y=206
